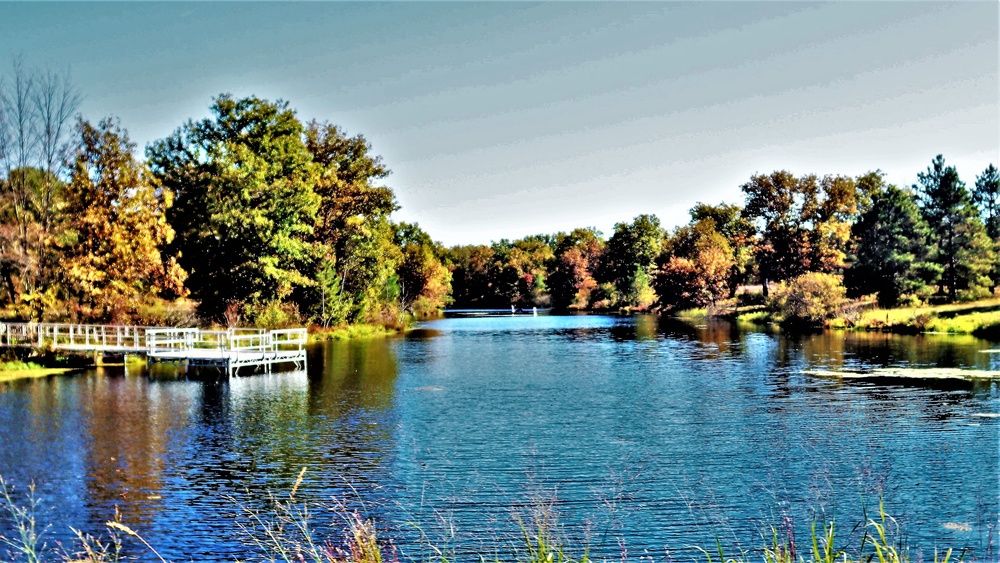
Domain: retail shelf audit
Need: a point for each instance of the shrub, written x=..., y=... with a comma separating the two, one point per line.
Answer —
x=810, y=298
x=273, y=314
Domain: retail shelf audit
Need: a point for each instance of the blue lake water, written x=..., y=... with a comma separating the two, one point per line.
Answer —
x=640, y=435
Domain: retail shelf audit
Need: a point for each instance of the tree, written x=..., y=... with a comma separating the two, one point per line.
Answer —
x=892, y=256
x=808, y=299
x=571, y=278
x=346, y=181
x=965, y=252
x=695, y=267
x=781, y=206
x=986, y=195
x=245, y=204
x=732, y=223
x=835, y=211
x=117, y=226
x=630, y=258
x=424, y=280
x=472, y=271
x=36, y=108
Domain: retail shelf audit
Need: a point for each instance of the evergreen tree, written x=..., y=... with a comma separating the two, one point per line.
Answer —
x=892, y=255
x=965, y=252
x=986, y=194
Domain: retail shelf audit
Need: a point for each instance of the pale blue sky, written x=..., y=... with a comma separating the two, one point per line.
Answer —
x=507, y=119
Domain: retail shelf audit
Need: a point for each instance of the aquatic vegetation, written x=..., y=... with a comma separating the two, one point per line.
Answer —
x=963, y=374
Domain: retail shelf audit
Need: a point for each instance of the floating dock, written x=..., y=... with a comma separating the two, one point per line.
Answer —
x=228, y=350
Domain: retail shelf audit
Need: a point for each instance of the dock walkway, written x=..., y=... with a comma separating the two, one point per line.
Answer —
x=227, y=350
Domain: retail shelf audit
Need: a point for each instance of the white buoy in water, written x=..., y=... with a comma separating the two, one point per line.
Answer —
x=534, y=311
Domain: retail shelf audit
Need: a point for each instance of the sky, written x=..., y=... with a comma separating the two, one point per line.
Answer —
x=505, y=119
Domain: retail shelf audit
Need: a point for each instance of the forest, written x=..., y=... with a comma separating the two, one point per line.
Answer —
x=254, y=216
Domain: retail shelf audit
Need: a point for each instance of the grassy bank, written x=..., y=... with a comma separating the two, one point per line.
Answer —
x=980, y=318
x=976, y=317
x=13, y=370
x=349, y=332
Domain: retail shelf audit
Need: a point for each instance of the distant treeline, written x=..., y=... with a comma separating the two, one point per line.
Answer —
x=834, y=234
x=252, y=216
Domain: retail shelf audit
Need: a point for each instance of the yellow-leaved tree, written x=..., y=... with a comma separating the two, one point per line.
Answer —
x=116, y=228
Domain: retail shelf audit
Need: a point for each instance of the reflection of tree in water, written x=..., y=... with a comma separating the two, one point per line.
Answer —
x=129, y=436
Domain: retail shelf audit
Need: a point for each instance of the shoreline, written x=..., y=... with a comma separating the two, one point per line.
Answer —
x=18, y=374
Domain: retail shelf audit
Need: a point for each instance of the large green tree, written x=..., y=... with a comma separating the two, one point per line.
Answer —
x=245, y=202
x=986, y=194
x=965, y=252
x=630, y=260
x=892, y=255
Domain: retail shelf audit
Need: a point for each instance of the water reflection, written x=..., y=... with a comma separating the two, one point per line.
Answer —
x=661, y=433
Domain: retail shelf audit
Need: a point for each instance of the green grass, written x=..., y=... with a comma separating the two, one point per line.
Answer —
x=16, y=369
x=954, y=318
x=352, y=331
x=693, y=315
x=758, y=317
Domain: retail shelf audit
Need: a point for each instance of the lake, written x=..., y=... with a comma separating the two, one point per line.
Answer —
x=640, y=436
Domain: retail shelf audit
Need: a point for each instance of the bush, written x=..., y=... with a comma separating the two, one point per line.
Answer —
x=810, y=298
x=273, y=314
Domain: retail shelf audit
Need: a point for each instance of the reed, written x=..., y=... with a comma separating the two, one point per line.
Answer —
x=284, y=532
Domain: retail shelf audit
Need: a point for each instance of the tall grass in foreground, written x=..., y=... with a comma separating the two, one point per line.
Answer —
x=285, y=533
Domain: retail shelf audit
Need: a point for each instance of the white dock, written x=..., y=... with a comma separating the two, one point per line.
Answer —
x=227, y=350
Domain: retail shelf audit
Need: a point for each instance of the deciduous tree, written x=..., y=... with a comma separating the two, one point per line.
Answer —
x=245, y=205
x=117, y=226
x=630, y=258
x=695, y=267
x=577, y=256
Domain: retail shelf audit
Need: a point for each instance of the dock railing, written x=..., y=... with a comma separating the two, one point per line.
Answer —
x=150, y=340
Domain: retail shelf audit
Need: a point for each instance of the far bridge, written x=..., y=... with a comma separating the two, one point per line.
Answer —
x=228, y=349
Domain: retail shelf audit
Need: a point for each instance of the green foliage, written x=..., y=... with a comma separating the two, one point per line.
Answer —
x=892, y=254
x=986, y=195
x=244, y=201
x=810, y=298
x=273, y=315
x=965, y=252
x=629, y=259
x=334, y=305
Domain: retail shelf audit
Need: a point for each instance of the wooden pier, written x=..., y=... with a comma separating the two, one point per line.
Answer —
x=227, y=350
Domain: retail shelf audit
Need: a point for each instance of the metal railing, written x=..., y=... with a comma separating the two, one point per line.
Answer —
x=140, y=339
